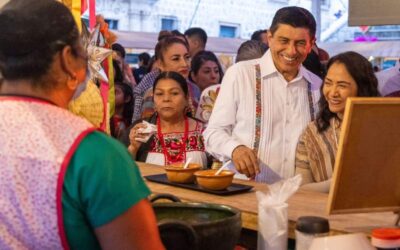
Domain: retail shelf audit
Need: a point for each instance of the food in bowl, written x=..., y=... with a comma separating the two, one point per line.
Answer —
x=176, y=172
x=207, y=179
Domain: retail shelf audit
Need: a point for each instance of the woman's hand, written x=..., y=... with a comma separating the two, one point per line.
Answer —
x=133, y=136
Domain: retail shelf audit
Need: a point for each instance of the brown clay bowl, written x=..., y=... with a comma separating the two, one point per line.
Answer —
x=207, y=179
x=176, y=172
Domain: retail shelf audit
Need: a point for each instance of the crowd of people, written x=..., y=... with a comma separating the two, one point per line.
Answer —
x=261, y=112
x=275, y=113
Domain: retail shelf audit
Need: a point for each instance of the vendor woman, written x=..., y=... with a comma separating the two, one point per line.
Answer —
x=62, y=184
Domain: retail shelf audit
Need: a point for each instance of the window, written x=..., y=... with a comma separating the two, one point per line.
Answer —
x=325, y=4
x=227, y=31
x=168, y=23
x=388, y=64
x=132, y=58
x=112, y=23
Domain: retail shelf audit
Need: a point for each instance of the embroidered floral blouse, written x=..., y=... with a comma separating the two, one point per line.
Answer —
x=194, y=148
x=206, y=103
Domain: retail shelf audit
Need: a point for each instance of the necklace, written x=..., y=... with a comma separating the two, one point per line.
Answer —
x=179, y=156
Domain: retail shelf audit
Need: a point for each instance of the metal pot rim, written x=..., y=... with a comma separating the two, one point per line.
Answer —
x=236, y=212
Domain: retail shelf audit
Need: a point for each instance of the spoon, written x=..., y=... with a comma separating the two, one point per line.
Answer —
x=188, y=160
x=223, y=167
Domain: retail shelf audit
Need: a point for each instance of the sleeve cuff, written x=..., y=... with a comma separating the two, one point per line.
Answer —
x=228, y=149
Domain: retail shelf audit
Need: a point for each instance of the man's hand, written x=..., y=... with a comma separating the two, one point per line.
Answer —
x=245, y=161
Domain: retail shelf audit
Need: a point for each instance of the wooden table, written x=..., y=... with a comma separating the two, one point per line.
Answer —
x=303, y=203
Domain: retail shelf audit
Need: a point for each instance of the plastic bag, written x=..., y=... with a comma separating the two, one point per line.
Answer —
x=272, y=214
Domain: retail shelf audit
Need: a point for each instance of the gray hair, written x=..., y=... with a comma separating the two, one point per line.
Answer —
x=250, y=50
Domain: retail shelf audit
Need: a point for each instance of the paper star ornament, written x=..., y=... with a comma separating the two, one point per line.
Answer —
x=97, y=54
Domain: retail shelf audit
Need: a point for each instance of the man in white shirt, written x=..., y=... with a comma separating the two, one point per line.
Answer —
x=264, y=104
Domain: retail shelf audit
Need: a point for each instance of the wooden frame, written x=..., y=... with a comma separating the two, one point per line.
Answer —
x=366, y=175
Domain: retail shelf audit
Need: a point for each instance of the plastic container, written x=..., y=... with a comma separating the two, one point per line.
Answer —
x=386, y=238
x=308, y=228
x=356, y=241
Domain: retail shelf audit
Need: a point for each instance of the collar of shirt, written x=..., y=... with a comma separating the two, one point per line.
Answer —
x=268, y=68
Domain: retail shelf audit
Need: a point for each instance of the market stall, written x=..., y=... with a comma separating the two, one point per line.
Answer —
x=303, y=203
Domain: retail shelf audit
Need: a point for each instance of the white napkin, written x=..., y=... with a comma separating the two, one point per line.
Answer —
x=272, y=214
x=150, y=129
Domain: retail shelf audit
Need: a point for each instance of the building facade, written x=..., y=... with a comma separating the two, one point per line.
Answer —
x=229, y=18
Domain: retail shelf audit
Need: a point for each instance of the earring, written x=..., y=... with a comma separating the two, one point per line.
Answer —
x=187, y=110
x=72, y=82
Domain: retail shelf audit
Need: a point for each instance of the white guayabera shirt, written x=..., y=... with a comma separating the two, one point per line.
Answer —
x=286, y=111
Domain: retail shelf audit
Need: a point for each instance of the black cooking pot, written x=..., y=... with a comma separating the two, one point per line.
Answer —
x=196, y=225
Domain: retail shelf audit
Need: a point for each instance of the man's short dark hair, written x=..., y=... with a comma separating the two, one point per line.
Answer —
x=256, y=36
x=145, y=58
x=199, y=33
x=296, y=17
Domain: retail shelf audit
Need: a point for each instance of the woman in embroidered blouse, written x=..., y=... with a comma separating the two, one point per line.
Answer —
x=349, y=75
x=178, y=135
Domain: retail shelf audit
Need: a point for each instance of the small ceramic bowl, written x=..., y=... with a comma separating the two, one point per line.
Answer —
x=207, y=179
x=176, y=172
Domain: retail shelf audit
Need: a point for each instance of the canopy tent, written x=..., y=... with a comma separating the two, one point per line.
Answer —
x=146, y=40
x=367, y=49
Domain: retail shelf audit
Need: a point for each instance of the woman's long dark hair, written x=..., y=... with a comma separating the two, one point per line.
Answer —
x=361, y=71
x=178, y=78
x=128, y=107
x=202, y=57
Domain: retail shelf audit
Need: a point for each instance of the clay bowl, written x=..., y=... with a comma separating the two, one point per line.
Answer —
x=176, y=172
x=207, y=179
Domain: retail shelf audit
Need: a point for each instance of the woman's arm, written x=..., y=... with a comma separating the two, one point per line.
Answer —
x=322, y=186
x=302, y=167
x=133, y=150
x=306, y=175
x=302, y=163
x=134, y=229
